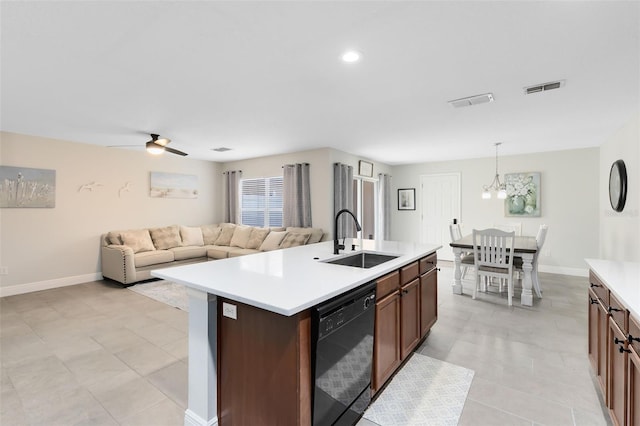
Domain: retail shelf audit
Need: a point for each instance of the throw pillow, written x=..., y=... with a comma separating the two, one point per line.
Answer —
x=113, y=237
x=166, y=237
x=272, y=241
x=210, y=233
x=137, y=240
x=293, y=239
x=257, y=237
x=191, y=236
x=240, y=236
x=226, y=233
x=316, y=233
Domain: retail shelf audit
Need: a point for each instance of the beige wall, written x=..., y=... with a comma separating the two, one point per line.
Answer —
x=48, y=247
x=569, y=202
x=620, y=232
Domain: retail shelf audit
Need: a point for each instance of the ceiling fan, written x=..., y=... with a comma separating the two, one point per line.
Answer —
x=155, y=146
x=158, y=145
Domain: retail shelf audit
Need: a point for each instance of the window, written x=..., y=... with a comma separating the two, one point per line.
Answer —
x=261, y=201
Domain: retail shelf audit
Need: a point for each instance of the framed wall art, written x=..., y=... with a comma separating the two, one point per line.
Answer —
x=407, y=199
x=27, y=187
x=523, y=194
x=173, y=185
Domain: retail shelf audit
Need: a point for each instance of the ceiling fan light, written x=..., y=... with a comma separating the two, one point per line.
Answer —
x=154, y=149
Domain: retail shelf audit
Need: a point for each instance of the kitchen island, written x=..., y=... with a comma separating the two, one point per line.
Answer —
x=275, y=291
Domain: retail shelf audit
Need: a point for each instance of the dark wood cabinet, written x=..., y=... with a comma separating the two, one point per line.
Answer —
x=633, y=381
x=406, y=309
x=617, y=379
x=410, y=316
x=428, y=294
x=386, y=348
x=244, y=385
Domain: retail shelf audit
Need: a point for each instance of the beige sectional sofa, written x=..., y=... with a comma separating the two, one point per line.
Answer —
x=128, y=256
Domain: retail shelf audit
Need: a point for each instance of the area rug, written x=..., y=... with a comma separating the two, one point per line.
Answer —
x=169, y=293
x=425, y=391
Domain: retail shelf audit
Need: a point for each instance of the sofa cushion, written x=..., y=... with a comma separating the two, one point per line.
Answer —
x=153, y=257
x=257, y=237
x=210, y=233
x=139, y=240
x=237, y=251
x=226, y=234
x=113, y=237
x=293, y=239
x=191, y=236
x=240, y=237
x=273, y=240
x=219, y=252
x=316, y=233
x=191, y=252
x=166, y=237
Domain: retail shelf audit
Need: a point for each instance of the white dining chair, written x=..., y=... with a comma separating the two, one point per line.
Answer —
x=466, y=257
x=517, y=261
x=492, y=248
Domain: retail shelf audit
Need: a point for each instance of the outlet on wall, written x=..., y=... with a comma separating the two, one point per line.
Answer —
x=4, y=270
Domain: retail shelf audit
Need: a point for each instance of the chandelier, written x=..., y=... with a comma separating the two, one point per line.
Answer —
x=495, y=185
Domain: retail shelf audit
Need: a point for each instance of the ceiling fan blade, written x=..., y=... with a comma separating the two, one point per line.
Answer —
x=175, y=151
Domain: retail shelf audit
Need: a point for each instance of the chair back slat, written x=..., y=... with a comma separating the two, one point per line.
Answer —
x=492, y=247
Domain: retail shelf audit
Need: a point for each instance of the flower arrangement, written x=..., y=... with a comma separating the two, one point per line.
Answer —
x=522, y=194
x=520, y=185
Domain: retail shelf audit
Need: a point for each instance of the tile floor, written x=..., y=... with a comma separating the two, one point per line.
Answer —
x=97, y=354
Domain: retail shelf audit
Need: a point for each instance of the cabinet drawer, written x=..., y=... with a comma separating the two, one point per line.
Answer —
x=387, y=284
x=599, y=288
x=428, y=263
x=634, y=333
x=618, y=313
x=409, y=273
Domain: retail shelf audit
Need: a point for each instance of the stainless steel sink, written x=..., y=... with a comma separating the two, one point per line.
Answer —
x=362, y=259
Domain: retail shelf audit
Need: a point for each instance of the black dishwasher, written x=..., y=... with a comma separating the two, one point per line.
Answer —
x=342, y=352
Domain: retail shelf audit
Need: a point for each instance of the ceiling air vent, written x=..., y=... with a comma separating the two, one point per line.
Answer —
x=543, y=87
x=221, y=149
x=472, y=100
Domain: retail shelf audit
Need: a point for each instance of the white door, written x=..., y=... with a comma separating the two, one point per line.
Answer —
x=440, y=195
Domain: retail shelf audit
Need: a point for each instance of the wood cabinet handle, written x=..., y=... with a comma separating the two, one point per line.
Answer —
x=612, y=309
x=623, y=350
x=617, y=341
x=593, y=301
x=595, y=285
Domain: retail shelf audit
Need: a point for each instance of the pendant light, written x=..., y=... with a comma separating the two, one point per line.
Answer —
x=495, y=185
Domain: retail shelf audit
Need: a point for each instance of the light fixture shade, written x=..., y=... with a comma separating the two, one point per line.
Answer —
x=486, y=195
x=154, y=149
x=502, y=194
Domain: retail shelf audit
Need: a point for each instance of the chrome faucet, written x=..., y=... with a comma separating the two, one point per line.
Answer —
x=337, y=246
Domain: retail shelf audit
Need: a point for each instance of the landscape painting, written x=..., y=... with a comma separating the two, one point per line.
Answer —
x=26, y=187
x=173, y=185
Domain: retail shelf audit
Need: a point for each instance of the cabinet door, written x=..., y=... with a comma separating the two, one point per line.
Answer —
x=603, y=351
x=428, y=301
x=633, y=412
x=410, y=317
x=617, y=374
x=386, y=347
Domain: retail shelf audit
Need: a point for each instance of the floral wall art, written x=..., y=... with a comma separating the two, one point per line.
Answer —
x=523, y=194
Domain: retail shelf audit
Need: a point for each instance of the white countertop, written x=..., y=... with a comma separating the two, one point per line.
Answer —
x=622, y=278
x=289, y=281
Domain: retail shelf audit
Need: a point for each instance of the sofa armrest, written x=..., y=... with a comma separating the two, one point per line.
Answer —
x=118, y=263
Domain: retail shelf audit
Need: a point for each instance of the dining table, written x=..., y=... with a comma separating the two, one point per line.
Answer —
x=523, y=246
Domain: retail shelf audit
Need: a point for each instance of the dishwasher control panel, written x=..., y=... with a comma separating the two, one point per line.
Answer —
x=345, y=313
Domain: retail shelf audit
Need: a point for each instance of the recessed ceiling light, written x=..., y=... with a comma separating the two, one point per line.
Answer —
x=351, y=56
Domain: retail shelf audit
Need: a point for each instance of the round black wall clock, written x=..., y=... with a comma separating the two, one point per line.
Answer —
x=618, y=185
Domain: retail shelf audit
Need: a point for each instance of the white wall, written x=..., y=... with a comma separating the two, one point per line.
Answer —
x=49, y=247
x=620, y=232
x=321, y=175
x=569, y=202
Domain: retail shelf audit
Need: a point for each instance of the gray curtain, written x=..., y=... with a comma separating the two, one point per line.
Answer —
x=384, y=206
x=296, y=204
x=231, y=186
x=343, y=199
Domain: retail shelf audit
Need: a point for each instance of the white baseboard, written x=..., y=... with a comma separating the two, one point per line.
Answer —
x=562, y=270
x=192, y=419
x=48, y=284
